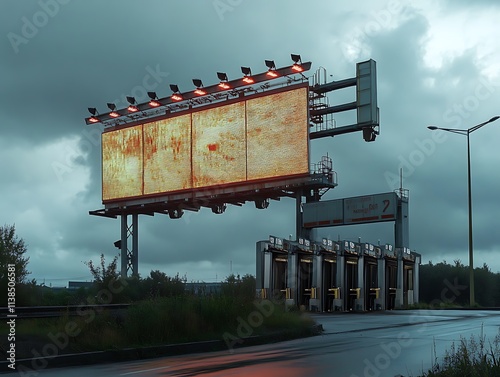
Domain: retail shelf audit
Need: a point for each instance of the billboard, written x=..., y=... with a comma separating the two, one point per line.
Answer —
x=255, y=138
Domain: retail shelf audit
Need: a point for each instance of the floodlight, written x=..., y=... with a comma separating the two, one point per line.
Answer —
x=153, y=99
x=199, y=91
x=219, y=208
x=176, y=96
x=132, y=107
x=247, y=78
x=223, y=80
x=113, y=113
x=93, y=118
x=272, y=68
x=297, y=63
x=296, y=58
x=270, y=64
x=262, y=203
x=222, y=76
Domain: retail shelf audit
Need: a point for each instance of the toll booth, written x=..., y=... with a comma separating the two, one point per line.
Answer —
x=325, y=291
x=410, y=262
x=337, y=276
x=371, y=288
x=305, y=289
x=391, y=276
x=272, y=269
x=348, y=276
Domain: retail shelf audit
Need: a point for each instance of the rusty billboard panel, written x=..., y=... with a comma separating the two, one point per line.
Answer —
x=261, y=137
x=167, y=155
x=219, y=150
x=122, y=163
x=277, y=142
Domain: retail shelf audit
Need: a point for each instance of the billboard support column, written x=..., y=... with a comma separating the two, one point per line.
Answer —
x=123, y=248
x=298, y=215
x=135, y=245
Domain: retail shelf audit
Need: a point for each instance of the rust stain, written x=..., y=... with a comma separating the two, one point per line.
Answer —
x=175, y=144
x=212, y=147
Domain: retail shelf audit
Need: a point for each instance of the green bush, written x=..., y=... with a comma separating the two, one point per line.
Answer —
x=470, y=358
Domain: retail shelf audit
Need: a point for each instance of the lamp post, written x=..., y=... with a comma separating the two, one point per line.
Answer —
x=467, y=132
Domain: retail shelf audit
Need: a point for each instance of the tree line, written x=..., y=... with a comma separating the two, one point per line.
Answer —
x=445, y=284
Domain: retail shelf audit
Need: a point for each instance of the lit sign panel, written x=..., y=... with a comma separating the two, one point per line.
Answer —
x=256, y=138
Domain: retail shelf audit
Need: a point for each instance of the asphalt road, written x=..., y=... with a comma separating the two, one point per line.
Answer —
x=394, y=343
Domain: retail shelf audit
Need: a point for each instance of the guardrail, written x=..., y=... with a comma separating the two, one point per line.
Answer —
x=58, y=311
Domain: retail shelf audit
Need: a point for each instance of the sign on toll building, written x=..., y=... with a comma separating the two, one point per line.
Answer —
x=348, y=211
x=370, y=208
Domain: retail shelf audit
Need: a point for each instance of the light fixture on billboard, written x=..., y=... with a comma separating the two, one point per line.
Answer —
x=113, y=113
x=223, y=81
x=247, y=78
x=93, y=112
x=153, y=100
x=297, y=63
x=219, y=208
x=176, y=96
x=175, y=213
x=199, y=87
x=262, y=203
x=132, y=108
x=272, y=69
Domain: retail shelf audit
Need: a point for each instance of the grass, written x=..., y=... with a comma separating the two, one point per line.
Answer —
x=162, y=321
x=470, y=358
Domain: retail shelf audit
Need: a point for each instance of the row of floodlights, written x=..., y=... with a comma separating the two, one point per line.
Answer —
x=223, y=85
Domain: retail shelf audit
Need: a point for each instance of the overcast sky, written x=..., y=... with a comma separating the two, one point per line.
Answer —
x=438, y=63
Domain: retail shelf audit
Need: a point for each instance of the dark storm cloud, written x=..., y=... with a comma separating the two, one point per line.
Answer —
x=93, y=52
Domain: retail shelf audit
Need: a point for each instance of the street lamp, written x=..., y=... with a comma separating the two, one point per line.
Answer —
x=467, y=132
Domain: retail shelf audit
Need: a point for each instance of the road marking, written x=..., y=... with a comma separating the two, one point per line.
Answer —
x=142, y=371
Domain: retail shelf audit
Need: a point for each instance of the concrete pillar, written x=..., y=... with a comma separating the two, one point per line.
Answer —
x=401, y=225
x=381, y=301
x=399, y=287
x=339, y=303
x=263, y=276
x=316, y=304
x=359, y=304
x=292, y=279
x=416, y=279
